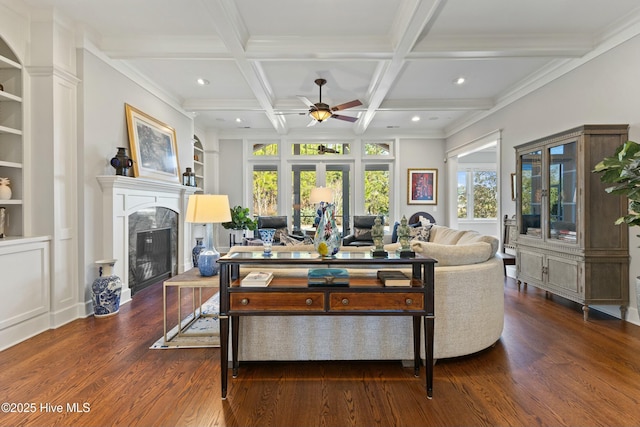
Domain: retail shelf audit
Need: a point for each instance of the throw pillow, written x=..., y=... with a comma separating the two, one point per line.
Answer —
x=279, y=233
x=420, y=234
x=362, y=233
x=293, y=241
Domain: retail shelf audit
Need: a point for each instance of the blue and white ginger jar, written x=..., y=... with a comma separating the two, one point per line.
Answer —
x=106, y=290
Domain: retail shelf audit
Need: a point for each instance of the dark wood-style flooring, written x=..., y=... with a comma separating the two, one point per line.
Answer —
x=550, y=368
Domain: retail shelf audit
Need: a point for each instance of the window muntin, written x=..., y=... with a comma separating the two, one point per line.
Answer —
x=477, y=193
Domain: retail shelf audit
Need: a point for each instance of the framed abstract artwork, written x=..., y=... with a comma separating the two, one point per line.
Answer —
x=422, y=186
x=154, y=149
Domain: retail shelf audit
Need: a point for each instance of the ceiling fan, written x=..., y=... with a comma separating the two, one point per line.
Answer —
x=321, y=111
x=323, y=149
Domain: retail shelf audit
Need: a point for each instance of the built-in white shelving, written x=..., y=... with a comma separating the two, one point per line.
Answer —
x=11, y=143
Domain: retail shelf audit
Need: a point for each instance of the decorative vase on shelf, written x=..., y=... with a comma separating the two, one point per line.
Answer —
x=121, y=162
x=328, y=238
x=195, y=252
x=5, y=190
x=106, y=289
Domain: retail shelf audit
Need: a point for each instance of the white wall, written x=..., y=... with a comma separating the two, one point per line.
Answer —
x=417, y=154
x=104, y=92
x=603, y=90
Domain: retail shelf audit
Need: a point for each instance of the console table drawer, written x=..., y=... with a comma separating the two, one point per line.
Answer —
x=392, y=301
x=277, y=301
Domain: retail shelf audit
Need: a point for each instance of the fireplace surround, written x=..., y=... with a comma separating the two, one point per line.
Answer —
x=123, y=196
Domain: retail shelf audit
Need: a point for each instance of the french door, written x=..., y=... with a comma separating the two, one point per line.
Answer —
x=304, y=177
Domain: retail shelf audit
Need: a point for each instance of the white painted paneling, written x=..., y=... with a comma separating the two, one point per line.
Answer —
x=25, y=282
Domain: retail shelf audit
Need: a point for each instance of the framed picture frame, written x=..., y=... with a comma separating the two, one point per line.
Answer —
x=513, y=186
x=422, y=186
x=153, y=146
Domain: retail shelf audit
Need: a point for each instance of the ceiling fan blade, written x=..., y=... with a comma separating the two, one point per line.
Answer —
x=345, y=118
x=305, y=101
x=312, y=123
x=346, y=105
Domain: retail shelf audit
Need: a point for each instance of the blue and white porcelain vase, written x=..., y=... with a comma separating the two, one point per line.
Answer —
x=267, y=235
x=195, y=252
x=106, y=289
x=328, y=237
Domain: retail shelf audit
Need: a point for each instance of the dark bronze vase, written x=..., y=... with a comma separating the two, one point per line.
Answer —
x=121, y=162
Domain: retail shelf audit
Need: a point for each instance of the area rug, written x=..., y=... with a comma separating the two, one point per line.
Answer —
x=203, y=325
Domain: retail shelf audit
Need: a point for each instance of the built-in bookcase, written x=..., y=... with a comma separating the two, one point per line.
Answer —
x=11, y=137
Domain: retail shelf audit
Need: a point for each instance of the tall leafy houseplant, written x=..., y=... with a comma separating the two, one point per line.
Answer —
x=240, y=222
x=623, y=171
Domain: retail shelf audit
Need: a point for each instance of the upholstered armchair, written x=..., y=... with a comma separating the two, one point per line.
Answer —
x=277, y=222
x=361, y=235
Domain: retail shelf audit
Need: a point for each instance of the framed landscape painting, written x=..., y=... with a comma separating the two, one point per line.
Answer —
x=154, y=149
x=422, y=186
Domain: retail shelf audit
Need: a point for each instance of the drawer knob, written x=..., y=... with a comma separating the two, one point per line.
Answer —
x=309, y=301
x=244, y=301
x=408, y=301
x=345, y=301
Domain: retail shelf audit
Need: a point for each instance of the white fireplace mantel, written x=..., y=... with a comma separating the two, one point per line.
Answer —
x=122, y=196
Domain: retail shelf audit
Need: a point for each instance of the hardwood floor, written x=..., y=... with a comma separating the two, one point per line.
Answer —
x=550, y=368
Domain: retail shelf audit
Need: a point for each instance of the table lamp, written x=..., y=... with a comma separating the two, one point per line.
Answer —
x=208, y=209
x=320, y=195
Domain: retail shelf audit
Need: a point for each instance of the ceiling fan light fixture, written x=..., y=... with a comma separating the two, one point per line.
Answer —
x=320, y=115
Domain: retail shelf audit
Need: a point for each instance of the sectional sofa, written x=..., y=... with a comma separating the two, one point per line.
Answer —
x=469, y=310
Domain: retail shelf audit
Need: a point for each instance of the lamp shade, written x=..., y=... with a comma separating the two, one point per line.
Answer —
x=321, y=194
x=320, y=114
x=208, y=208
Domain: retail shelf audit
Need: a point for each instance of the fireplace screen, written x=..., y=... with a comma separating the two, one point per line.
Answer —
x=152, y=247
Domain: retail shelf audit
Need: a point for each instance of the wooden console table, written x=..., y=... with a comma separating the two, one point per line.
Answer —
x=292, y=296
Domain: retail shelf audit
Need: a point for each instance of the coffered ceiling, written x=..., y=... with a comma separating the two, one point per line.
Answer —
x=400, y=58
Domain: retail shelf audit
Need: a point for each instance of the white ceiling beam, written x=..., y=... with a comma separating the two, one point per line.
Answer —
x=344, y=48
x=408, y=32
x=234, y=35
x=287, y=106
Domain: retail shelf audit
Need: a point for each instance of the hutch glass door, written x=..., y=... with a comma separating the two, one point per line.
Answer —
x=531, y=191
x=562, y=192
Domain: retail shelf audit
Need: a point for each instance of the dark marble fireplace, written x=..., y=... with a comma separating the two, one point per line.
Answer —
x=153, y=246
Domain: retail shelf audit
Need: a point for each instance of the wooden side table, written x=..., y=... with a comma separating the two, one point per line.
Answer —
x=189, y=279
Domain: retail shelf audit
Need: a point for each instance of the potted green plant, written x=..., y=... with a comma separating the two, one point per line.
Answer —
x=240, y=222
x=623, y=171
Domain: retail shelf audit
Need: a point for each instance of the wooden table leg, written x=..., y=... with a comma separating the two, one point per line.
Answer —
x=416, y=346
x=428, y=347
x=235, y=331
x=224, y=354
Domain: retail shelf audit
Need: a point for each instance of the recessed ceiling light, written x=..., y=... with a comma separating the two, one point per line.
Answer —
x=459, y=81
x=415, y=118
x=202, y=82
x=238, y=120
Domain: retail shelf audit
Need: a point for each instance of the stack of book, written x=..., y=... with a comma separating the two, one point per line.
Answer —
x=394, y=278
x=257, y=278
x=328, y=277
